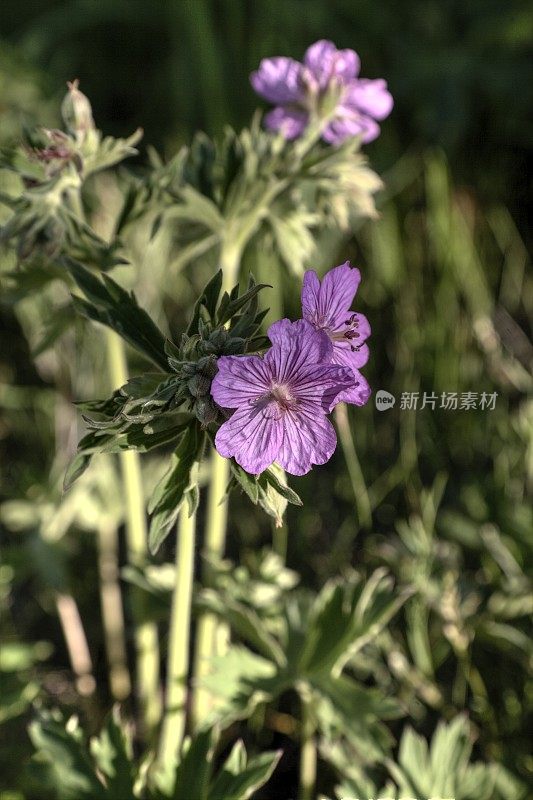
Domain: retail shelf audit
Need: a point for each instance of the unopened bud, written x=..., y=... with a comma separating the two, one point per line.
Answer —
x=207, y=366
x=205, y=410
x=76, y=110
x=218, y=338
x=199, y=385
x=233, y=346
x=208, y=348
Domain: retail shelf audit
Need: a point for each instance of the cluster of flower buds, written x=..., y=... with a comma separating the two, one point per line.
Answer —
x=195, y=361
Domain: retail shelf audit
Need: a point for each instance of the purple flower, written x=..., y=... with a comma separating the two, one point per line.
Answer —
x=281, y=401
x=299, y=90
x=326, y=306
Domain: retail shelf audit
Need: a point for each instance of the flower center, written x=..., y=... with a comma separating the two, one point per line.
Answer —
x=281, y=394
x=349, y=332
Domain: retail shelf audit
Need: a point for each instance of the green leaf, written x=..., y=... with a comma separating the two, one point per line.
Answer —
x=346, y=616
x=245, y=480
x=245, y=622
x=239, y=681
x=273, y=476
x=194, y=769
x=75, y=469
x=108, y=303
x=113, y=753
x=230, y=305
x=209, y=299
x=169, y=493
x=238, y=782
x=62, y=747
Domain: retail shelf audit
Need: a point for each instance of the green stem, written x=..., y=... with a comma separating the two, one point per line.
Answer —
x=212, y=634
x=146, y=635
x=279, y=540
x=112, y=613
x=307, y=750
x=362, y=500
x=178, y=643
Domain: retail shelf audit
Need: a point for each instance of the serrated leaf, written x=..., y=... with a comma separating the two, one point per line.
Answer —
x=113, y=753
x=62, y=747
x=245, y=622
x=108, y=303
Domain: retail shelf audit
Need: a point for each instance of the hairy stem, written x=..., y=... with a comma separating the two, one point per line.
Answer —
x=146, y=635
x=362, y=500
x=211, y=634
x=175, y=717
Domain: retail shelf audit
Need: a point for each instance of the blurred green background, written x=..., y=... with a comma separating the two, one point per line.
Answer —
x=447, y=288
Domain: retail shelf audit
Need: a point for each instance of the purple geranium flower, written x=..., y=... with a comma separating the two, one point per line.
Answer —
x=297, y=91
x=281, y=401
x=326, y=306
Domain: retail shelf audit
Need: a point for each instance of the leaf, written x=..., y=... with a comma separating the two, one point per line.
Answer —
x=230, y=305
x=169, y=493
x=194, y=769
x=209, y=299
x=245, y=622
x=238, y=781
x=75, y=469
x=61, y=746
x=108, y=303
x=344, y=617
x=246, y=481
x=273, y=476
x=113, y=753
x=239, y=681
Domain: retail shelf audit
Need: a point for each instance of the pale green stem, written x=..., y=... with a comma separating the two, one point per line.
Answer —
x=146, y=634
x=175, y=717
x=211, y=634
x=362, y=500
x=279, y=540
x=112, y=612
x=308, y=758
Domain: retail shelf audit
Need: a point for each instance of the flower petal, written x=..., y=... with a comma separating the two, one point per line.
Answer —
x=328, y=305
x=239, y=380
x=318, y=385
x=277, y=80
x=370, y=97
x=295, y=346
x=349, y=124
x=291, y=122
x=252, y=437
x=326, y=62
x=346, y=357
x=357, y=394
x=308, y=439
x=360, y=391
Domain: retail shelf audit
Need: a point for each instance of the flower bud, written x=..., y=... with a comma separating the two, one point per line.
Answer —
x=208, y=348
x=218, y=338
x=199, y=385
x=234, y=346
x=76, y=110
x=207, y=366
x=205, y=410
